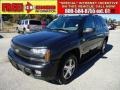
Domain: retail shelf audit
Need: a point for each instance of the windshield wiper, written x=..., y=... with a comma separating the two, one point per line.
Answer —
x=60, y=29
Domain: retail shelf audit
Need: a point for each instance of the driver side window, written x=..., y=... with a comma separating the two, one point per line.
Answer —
x=74, y=23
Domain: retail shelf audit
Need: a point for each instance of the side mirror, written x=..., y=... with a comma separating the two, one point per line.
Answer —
x=88, y=30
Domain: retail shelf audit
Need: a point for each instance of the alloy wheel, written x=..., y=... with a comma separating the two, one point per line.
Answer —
x=103, y=47
x=69, y=68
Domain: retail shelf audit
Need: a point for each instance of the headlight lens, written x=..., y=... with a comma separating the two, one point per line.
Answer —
x=11, y=43
x=43, y=52
x=39, y=50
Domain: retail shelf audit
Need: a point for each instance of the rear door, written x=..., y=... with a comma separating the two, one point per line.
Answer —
x=88, y=41
x=101, y=28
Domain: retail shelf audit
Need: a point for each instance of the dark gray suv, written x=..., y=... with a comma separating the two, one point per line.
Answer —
x=55, y=52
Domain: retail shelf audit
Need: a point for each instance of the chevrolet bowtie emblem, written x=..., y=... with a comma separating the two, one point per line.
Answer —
x=17, y=50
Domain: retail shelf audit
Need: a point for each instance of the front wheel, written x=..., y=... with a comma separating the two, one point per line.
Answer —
x=68, y=68
x=18, y=31
x=24, y=31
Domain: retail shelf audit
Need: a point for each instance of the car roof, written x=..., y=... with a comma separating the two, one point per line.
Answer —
x=81, y=16
x=73, y=17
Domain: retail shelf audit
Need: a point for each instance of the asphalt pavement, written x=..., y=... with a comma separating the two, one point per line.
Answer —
x=102, y=73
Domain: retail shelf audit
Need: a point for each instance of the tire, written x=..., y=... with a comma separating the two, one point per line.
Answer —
x=67, y=69
x=102, y=50
x=18, y=31
x=24, y=31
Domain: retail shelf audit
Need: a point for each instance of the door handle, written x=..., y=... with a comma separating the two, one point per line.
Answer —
x=83, y=39
x=100, y=35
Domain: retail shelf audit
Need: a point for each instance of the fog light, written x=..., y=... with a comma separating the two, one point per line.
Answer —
x=37, y=72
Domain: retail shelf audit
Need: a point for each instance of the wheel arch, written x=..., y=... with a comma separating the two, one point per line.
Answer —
x=106, y=38
x=75, y=51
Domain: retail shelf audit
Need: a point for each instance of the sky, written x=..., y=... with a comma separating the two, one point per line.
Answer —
x=113, y=16
x=107, y=16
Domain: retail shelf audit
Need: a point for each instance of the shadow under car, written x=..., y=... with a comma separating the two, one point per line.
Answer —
x=87, y=64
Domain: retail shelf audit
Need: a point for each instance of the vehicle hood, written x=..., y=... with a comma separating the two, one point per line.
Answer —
x=42, y=38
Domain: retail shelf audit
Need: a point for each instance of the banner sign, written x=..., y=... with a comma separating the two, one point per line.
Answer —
x=29, y=7
x=60, y=7
x=88, y=7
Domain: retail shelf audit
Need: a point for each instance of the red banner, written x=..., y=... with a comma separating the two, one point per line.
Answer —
x=88, y=7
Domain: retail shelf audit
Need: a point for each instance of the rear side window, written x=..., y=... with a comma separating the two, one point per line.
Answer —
x=100, y=24
x=88, y=22
x=33, y=22
x=26, y=22
x=104, y=24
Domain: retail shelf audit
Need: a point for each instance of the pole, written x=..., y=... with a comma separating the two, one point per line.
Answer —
x=1, y=22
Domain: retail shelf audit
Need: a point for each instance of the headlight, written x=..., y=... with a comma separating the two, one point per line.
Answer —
x=39, y=51
x=42, y=52
x=11, y=43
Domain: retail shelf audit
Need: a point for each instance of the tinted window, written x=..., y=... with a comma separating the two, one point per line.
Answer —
x=97, y=24
x=74, y=23
x=100, y=24
x=69, y=24
x=33, y=22
x=26, y=22
x=57, y=23
x=88, y=22
x=103, y=22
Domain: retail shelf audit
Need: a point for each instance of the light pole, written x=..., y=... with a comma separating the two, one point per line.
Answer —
x=1, y=22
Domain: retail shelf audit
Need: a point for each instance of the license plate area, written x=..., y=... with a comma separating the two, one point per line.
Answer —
x=13, y=63
x=24, y=69
x=21, y=67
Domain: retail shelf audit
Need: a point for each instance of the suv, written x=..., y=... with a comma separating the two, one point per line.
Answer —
x=28, y=25
x=111, y=26
x=55, y=52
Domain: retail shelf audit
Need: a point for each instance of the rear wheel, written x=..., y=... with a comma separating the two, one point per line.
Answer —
x=18, y=31
x=24, y=31
x=67, y=69
x=102, y=50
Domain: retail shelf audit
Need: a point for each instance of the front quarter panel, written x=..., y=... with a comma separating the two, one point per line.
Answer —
x=65, y=46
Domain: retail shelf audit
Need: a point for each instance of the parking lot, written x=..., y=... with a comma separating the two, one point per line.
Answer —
x=102, y=73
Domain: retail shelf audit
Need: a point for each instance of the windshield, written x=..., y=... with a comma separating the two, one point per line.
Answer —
x=66, y=24
x=33, y=22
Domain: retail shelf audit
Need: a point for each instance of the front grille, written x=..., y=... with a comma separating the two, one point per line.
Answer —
x=20, y=51
x=24, y=52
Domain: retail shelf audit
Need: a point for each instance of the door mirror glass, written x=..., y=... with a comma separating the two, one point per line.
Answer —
x=88, y=30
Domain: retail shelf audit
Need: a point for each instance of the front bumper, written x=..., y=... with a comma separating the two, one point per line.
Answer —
x=46, y=71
